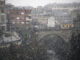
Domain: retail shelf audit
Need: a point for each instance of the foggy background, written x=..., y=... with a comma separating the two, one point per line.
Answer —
x=36, y=3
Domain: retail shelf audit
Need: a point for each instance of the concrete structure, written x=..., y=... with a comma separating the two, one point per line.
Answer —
x=64, y=34
x=3, y=19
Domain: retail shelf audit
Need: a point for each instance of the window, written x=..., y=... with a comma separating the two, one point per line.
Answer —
x=12, y=18
x=22, y=13
x=22, y=18
x=13, y=22
x=2, y=10
x=17, y=13
x=2, y=18
x=18, y=22
x=18, y=18
x=27, y=19
x=22, y=22
x=1, y=2
x=27, y=22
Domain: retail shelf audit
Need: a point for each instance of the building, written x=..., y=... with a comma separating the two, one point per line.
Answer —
x=60, y=12
x=40, y=22
x=52, y=22
x=20, y=17
x=2, y=15
x=76, y=19
x=6, y=37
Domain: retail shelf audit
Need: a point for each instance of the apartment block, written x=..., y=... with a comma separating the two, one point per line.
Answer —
x=20, y=17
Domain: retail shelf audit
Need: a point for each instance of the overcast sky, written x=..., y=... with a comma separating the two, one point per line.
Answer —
x=36, y=3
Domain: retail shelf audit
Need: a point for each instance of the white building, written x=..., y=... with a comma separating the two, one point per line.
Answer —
x=52, y=22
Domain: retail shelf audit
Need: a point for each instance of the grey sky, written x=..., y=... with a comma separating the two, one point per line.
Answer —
x=36, y=3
